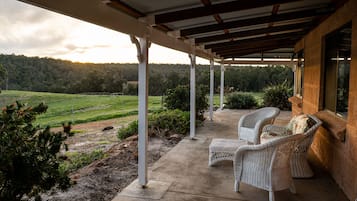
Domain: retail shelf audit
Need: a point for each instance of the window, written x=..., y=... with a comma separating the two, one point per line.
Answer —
x=299, y=74
x=337, y=70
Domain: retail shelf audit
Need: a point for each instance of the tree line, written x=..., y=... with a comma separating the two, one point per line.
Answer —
x=60, y=76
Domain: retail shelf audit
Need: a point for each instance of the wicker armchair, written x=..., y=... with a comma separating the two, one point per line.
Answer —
x=266, y=166
x=251, y=124
x=299, y=166
x=249, y=128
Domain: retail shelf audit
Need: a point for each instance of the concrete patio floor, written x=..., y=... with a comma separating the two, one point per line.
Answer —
x=183, y=173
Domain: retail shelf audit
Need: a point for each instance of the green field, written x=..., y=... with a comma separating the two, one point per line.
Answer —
x=78, y=108
x=85, y=108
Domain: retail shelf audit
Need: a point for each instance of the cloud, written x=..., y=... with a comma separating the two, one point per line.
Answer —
x=33, y=31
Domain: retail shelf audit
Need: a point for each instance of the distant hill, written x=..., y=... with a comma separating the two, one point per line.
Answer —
x=54, y=75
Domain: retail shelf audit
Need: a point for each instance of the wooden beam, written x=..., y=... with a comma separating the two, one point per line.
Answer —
x=264, y=62
x=304, y=25
x=120, y=5
x=214, y=9
x=218, y=18
x=224, y=45
x=255, y=21
x=258, y=46
x=246, y=52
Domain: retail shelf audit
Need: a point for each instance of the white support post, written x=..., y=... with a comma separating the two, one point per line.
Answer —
x=193, y=96
x=143, y=69
x=211, y=88
x=222, y=87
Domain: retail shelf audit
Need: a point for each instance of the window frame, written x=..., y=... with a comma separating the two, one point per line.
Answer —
x=331, y=70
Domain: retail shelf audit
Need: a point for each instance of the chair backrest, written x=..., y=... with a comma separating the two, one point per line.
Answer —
x=267, y=114
x=268, y=164
x=280, y=170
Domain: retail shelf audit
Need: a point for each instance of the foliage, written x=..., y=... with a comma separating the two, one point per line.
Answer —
x=238, y=100
x=29, y=164
x=179, y=98
x=176, y=121
x=78, y=160
x=277, y=96
x=79, y=108
x=129, y=130
x=3, y=75
x=52, y=75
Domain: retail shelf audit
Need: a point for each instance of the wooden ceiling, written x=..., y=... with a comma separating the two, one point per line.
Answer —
x=233, y=29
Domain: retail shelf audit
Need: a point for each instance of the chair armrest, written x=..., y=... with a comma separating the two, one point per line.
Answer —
x=279, y=130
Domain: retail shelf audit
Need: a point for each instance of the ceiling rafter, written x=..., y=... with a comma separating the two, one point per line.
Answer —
x=256, y=46
x=274, y=12
x=256, y=20
x=303, y=25
x=214, y=9
x=224, y=45
x=246, y=52
x=121, y=6
x=217, y=17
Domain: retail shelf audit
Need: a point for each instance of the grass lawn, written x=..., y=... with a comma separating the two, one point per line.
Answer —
x=86, y=108
x=78, y=108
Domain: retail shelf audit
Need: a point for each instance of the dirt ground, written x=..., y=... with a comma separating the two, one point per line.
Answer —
x=103, y=179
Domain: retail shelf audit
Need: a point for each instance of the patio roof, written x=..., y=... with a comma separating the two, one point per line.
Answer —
x=218, y=29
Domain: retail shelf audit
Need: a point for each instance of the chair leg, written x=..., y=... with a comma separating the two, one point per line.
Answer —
x=271, y=196
x=236, y=186
x=292, y=188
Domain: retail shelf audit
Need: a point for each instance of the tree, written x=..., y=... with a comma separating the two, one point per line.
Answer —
x=3, y=75
x=28, y=154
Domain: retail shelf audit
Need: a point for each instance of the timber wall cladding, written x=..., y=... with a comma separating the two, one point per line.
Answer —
x=339, y=158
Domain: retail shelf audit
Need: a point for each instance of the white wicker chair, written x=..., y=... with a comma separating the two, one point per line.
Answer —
x=249, y=130
x=266, y=166
x=299, y=166
x=250, y=125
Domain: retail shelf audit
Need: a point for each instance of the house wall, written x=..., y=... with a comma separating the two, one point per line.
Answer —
x=339, y=158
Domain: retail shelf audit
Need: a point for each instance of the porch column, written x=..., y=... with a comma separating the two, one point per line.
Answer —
x=222, y=87
x=211, y=88
x=192, y=96
x=143, y=69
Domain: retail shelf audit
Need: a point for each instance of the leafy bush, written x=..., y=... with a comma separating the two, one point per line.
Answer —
x=28, y=154
x=175, y=121
x=77, y=160
x=128, y=131
x=238, y=100
x=179, y=98
x=277, y=96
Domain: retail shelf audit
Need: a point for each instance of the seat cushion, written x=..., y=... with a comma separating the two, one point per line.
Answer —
x=225, y=145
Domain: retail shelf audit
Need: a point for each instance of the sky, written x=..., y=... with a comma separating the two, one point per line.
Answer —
x=32, y=31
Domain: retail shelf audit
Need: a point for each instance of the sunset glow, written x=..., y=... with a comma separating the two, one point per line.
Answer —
x=32, y=31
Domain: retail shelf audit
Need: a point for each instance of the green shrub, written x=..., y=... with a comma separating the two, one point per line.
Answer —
x=238, y=100
x=176, y=121
x=78, y=160
x=277, y=96
x=28, y=154
x=131, y=129
x=179, y=98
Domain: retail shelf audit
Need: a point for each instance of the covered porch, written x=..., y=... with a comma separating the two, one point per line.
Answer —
x=184, y=174
x=291, y=32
